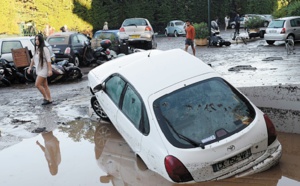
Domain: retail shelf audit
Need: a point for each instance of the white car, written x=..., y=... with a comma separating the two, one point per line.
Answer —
x=138, y=31
x=182, y=118
x=6, y=44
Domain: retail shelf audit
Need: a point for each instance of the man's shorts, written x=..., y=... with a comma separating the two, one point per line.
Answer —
x=189, y=42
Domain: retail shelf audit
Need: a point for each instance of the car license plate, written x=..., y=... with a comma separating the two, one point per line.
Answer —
x=134, y=36
x=272, y=31
x=230, y=161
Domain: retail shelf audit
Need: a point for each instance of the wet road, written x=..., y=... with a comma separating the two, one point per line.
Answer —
x=88, y=152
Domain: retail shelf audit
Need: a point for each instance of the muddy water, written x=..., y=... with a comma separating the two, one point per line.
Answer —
x=91, y=153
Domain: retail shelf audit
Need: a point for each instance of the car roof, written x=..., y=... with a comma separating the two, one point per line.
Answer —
x=62, y=34
x=153, y=70
x=287, y=18
x=17, y=38
x=114, y=31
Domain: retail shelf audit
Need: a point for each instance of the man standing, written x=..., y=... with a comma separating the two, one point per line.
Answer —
x=237, y=24
x=226, y=22
x=190, y=36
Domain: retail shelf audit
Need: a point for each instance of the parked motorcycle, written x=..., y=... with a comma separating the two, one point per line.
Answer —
x=9, y=73
x=215, y=39
x=99, y=55
x=61, y=71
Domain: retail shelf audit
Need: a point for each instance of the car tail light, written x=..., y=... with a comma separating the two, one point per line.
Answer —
x=122, y=29
x=68, y=50
x=271, y=130
x=282, y=31
x=148, y=28
x=176, y=170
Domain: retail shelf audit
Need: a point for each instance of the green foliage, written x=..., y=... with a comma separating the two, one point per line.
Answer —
x=201, y=30
x=288, y=8
x=255, y=22
x=89, y=15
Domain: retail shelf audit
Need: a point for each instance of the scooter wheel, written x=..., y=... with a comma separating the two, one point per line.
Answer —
x=75, y=74
x=6, y=82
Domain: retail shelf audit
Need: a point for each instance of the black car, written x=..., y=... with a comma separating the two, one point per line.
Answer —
x=68, y=45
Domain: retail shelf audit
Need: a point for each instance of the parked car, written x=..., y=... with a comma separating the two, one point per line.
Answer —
x=175, y=28
x=138, y=31
x=68, y=46
x=187, y=127
x=6, y=44
x=250, y=16
x=282, y=29
x=112, y=35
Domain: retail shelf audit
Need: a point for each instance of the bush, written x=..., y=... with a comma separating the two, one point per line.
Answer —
x=255, y=22
x=201, y=30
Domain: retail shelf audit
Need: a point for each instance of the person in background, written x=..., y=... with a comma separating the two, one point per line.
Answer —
x=105, y=26
x=190, y=36
x=246, y=20
x=226, y=19
x=237, y=24
x=42, y=62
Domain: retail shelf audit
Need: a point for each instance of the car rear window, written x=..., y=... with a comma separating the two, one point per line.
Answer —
x=135, y=22
x=204, y=112
x=105, y=35
x=276, y=24
x=58, y=40
x=8, y=45
x=180, y=23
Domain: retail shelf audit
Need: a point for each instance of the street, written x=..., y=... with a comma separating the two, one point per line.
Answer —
x=91, y=150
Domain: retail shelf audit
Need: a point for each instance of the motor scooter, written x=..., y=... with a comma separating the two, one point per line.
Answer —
x=215, y=39
x=10, y=72
x=99, y=55
x=61, y=71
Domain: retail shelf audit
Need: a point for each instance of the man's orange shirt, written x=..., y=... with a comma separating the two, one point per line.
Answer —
x=190, y=32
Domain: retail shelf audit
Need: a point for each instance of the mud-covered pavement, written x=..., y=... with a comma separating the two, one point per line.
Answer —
x=77, y=128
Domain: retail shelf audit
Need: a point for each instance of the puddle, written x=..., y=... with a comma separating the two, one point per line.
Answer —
x=93, y=153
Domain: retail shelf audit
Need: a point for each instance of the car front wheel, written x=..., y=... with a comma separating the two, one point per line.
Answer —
x=166, y=33
x=270, y=42
x=98, y=109
x=76, y=61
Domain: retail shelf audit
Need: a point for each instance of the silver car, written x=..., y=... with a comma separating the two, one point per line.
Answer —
x=138, y=30
x=175, y=28
x=282, y=29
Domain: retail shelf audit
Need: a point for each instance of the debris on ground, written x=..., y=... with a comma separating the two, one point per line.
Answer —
x=272, y=58
x=242, y=67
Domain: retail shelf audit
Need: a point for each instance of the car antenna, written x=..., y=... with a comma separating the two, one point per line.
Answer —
x=149, y=53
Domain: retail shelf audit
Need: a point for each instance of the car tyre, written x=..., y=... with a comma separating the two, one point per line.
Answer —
x=75, y=74
x=149, y=45
x=175, y=34
x=76, y=61
x=270, y=42
x=291, y=37
x=166, y=33
x=98, y=109
x=232, y=26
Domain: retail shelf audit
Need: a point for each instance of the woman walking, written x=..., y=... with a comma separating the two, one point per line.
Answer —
x=42, y=62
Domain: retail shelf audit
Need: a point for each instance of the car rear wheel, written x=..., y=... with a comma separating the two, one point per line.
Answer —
x=291, y=37
x=76, y=61
x=232, y=26
x=98, y=109
x=270, y=42
x=175, y=34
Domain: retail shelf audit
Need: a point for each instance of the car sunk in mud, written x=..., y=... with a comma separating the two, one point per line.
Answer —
x=182, y=118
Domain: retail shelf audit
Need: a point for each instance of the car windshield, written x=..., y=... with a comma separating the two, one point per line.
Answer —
x=58, y=40
x=179, y=23
x=276, y=24
x=135, y=22
x=203, y=112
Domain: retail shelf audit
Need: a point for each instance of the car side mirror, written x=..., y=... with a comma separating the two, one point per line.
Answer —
x=99, y=87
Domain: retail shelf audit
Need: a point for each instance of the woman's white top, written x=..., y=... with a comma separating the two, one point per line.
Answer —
x=42, y=71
